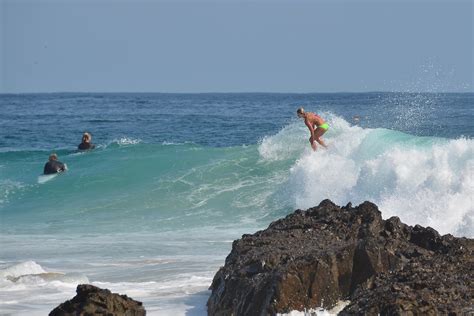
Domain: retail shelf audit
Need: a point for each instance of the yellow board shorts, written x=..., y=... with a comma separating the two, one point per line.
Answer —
x=324, y=126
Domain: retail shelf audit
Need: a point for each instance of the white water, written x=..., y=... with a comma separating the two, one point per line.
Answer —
x=422, y=180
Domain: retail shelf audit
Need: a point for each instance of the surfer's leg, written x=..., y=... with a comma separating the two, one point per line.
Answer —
x=317, y=135
x=313, y=144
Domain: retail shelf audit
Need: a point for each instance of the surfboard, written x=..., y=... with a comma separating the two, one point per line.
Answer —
x=46, y=177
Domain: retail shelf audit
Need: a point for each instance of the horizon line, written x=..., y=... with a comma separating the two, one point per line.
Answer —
x=240, y=92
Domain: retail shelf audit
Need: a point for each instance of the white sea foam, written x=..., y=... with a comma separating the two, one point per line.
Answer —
x=319, y=311
x=291, y=140
x=26, y=288
x=168, y=143
x=283, y=145
x=125, y=141
x=23, y=268
x=38, y=294
x=29, y=273
x=424, y=181
x=7, y=187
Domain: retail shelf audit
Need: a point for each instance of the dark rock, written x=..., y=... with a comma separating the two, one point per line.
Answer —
x=439, y=283
x=91, y=300
x=315, y=258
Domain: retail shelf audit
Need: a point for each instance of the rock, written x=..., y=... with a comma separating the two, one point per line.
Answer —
x=441, y=283
x=315, y=258
x=91, y=300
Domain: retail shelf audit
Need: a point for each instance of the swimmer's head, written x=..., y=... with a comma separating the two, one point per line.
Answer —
x=53, y=157
x=300, y=112
x=86, y=137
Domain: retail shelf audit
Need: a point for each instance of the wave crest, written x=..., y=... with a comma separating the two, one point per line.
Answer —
x=30, y=273
x=423, y=180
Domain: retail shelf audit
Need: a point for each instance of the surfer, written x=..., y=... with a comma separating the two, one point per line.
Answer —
x=86, y=142
x=54, y=165
x=316, y=125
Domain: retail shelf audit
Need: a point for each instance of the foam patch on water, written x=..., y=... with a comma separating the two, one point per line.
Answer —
x=179, y=295
x=168, y=143
x=27, y=288
x=31, y=273
x=8, y=187
x=126, y=141
x=23, y=268
x=319, y=311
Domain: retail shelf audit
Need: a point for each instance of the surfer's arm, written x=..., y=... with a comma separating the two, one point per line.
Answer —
x=61, y=167
x=311, y=130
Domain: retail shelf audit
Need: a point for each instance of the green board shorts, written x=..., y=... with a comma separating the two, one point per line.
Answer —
x=324, y=126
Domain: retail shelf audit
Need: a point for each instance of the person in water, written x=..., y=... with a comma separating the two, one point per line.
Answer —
x=86, y=142
x=316, y=125
x=53, y=165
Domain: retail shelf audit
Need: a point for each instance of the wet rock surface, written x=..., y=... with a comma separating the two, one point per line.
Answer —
x=91, y=300
x=315, y=258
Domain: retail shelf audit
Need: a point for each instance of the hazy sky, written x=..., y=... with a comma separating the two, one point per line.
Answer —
x=236, y=46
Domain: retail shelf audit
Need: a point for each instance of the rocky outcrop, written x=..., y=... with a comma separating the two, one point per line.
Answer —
x=437, y=283
x=91, y=300
x=315, y=258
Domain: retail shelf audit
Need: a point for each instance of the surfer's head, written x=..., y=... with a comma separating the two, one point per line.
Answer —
x=53, y=157
x=86, y=137
x=300, y=112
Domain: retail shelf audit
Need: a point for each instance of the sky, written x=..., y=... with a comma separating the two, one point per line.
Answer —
x=236, y=46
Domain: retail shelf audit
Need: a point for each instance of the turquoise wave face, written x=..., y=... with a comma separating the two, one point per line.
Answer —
x=142, y=187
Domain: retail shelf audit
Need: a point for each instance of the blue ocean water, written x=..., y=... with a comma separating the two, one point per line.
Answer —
x=175, y=178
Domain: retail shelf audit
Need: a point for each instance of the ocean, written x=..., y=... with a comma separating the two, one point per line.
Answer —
x=175, y=178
